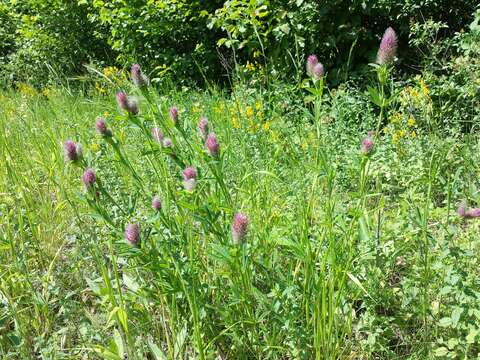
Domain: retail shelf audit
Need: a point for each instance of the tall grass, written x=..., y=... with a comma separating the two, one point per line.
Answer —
x=340, y=242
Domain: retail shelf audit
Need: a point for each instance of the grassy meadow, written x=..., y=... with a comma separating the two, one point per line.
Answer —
x=344, y=249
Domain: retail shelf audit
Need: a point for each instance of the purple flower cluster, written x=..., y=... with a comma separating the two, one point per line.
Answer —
x=88, y=178
x=239, y=227
x=101, y=127
x=189, y=178
x=126, y=103
x=174, y=114
x=388, y=47
x=203, y=127
x=468, y=214
x=156, y=203
x=132, y=234
x=138, y=77
x=212, y=145
x=367, y=145
x=315, y=69
x=73, y=151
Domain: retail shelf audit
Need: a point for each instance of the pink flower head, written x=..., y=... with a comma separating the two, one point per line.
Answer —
x=101, y=127
x=132, y=234
x=157, y=134
x=212, y=145
x=122, y=100
x=167, y=143
x=189, y=173
x=367, y=145
x=132, y=105
x=70, y=150
x=388, y=47
x=311, y=62
x=318, y=71
x=138, y=77
x=156, y=203
x=239, y=227
x=174, y=113
x=473, y=213
x=203, y=127
x=88, y=179
x=462, y=210
x=189, y=178
x=128, y=104
x=468, y=214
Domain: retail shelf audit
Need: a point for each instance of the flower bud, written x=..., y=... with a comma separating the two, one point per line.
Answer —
x=189, y=178
x=367, y=145
x=132, y=234
x=101, y=127
x=174, y=114
x=88, y=179
x=203, y=127
x=212, y=145
x=138, y=77
x=72, y=151
x=388, y=47
x=318, y=71
x=156, y=203
x=311, y=62
x=239, y=227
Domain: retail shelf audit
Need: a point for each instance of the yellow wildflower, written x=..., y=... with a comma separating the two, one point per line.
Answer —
x=250, y=67
x=249, y=112
x=402, y=133
x=425, y=89
x=275, y=135
x=411, y=121
x=94, y=147
x=396, y=117
x=26, y=89
x=414, y=93
x=258, y=105
x=110, y=71
x=413, y=134
x=48, y=92
x=99, y=87
x=266, y=126
x=196, y=108
x=395, y=138
x=235, y=122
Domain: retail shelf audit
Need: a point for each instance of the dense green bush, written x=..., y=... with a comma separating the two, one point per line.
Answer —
x=452, y=71
x=168, y=36
x=343, y=33
x=7, y=30
x=198, y=41
x=46, y=38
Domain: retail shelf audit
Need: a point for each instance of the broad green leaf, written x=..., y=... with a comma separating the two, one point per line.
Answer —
x=445, y=322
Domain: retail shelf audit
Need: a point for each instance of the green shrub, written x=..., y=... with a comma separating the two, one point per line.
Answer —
x=46, y=39
x=168, y=36
x=451, y=70
x=286, y=31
